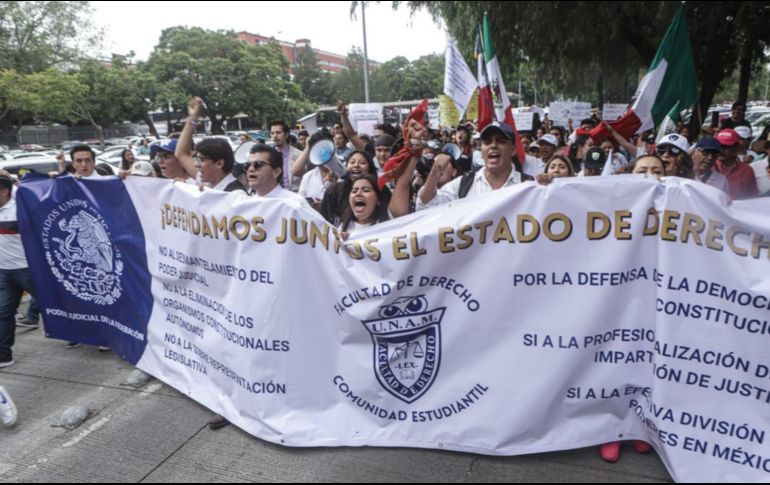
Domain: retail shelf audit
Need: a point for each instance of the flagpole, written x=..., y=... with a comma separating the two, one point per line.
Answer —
x=366, y=54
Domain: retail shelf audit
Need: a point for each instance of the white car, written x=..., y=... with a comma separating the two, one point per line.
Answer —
x=40, y=165
x=25, y=155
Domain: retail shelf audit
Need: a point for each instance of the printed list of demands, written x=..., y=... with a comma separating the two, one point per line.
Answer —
x=190, y=313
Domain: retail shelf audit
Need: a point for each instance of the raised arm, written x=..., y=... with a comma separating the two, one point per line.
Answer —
x=399, y=200
x=184, y=147
x=347, y=127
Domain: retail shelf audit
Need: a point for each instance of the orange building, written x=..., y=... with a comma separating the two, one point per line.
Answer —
x=327, y=61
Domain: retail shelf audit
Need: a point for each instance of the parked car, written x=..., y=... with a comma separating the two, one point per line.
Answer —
x=259, y=134
x=23, y=155
x=40, y=165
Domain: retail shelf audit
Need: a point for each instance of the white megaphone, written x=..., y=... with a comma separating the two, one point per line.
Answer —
x=322, y=154
x=241, y=153
x=452, y=150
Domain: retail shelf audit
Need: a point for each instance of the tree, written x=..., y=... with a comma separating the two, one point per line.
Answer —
x=12, y=92
x=348, y=85
x=96, y=94
x=576, y=45
x=313, y=82
x=37, y=35
x=389, y=79
x=230, y=75
x=425, y=79
x=401, y=80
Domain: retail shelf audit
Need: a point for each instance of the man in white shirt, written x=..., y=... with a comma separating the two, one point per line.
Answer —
x=265, y=174
x=547, y=145
x=15, y=278
x=84, y=162
x=211, y=162
x=279, y=133
x=497, y=149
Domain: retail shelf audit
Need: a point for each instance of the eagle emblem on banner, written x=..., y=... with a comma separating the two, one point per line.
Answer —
x=83, y=259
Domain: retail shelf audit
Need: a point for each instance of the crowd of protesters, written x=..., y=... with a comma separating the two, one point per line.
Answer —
x=440, y=166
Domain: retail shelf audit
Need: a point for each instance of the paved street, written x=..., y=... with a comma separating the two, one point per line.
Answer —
x=155, y=434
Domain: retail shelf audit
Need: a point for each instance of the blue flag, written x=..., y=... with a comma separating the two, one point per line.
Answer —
x=86, y=252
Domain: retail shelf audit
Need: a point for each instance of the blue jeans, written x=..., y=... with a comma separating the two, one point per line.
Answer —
x=33, y=312
x=13, y=284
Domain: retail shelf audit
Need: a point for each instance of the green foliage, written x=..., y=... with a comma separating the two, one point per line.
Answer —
x=348, y=85
x=425, y=78
x=230, y=75
x=389, y=80
x=758, y=88
x=596, y=50
x=37, y=35
x=48, y=94
x=314, y=83
x=395, y=80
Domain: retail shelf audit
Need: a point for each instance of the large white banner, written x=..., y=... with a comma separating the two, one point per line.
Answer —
x=527, y=320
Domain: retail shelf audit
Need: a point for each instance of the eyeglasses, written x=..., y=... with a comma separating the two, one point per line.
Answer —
x=670, y=150
x=198, y=158
x=257, y=165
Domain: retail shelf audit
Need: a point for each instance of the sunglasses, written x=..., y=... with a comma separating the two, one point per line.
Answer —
x=670, y=150
x=257, y=165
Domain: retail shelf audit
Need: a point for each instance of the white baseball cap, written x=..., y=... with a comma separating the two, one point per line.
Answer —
x=743, y=131
x=675, y=140
x=142, y=168
x=548, y=138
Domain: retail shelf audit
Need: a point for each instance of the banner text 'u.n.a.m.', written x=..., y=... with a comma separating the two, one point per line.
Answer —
x=667, y=225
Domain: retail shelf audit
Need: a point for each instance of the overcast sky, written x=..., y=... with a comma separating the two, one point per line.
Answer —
x=137, y=25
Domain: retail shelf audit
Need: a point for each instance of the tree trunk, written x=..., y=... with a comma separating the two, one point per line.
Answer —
x=746, y=62
x=216, y=124
x=708, y=89
x=600, y=89
x=100, y=131
x=151, y=124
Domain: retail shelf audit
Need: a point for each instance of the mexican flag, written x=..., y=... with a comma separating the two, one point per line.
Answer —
x=494, y=104
x=669, y=87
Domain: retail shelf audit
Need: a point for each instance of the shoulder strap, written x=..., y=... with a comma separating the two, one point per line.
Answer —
x=466, y=182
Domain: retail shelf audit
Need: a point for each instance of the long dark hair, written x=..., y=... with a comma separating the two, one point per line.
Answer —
x=123, y=162
x=336, y=200
x=379, y=215
x=344, y=194
x=579, y=142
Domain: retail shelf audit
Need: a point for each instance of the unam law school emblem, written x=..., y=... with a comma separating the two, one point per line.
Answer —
x=407, y=346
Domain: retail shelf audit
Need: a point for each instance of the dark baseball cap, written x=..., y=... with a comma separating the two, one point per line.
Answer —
x=709, y=144
x=595, y=158
x=497, y=128
x=385, y=141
